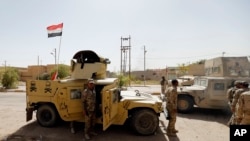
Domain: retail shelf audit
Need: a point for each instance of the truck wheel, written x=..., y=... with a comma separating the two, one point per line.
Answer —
x=185, y=104
x=145, y=122
x=46, y=116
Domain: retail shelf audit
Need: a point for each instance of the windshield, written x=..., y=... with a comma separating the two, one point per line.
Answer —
x=200, y=82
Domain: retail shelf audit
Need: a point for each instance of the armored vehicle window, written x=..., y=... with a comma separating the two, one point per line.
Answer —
x=219, y=86
x=216, y=69
x=75, y=93
x=200, y=82
x=115, y=96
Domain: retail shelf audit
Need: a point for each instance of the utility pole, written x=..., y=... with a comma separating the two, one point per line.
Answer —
x=38, y=67
x=5, y=65
x=124, y=49
x=144, y=50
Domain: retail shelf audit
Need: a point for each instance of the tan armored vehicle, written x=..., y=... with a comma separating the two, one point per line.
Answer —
x=210, y=91
x=61, y=99
x=185, y=80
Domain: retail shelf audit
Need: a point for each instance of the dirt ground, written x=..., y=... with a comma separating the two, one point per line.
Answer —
x=200, y=125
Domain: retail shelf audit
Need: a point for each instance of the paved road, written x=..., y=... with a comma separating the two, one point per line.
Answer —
x=201, y=125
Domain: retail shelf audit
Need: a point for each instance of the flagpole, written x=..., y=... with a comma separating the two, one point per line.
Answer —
x=59, y=53
x=52, y=32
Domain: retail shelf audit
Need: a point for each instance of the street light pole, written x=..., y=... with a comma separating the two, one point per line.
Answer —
x=54, y=54
x=144, y=64
x=223, y=54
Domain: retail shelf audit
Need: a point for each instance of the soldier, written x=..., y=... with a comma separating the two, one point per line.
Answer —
x=89, y=108
x=244, y=87
x=171, y=105
x=164, y=83
x=231, y=91
x=243, y=109
x=230, y=94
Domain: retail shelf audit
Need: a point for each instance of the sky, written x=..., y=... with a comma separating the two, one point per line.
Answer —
x=173, y=32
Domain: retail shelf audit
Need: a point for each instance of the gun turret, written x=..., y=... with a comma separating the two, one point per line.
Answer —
x=87, y=64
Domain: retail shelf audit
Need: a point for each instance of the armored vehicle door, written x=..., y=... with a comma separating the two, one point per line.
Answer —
x=110, y=99
x=73, y=101
x=217, y=93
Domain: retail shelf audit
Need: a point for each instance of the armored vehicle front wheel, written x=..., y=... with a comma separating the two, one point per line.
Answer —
x=145, y=122
x=46, y=116
x=185, y=104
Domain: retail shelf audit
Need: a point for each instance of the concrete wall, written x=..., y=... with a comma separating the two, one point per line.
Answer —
x=33, y=71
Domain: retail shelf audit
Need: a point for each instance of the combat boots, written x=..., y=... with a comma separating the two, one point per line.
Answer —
x=175, y=131
x=171, y=134
x=93, y=133
x=87, y=136
x=72, y=130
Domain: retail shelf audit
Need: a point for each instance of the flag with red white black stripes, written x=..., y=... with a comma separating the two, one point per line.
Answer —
x=55, y=30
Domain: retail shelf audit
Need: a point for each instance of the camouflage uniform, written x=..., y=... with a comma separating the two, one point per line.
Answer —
x=235, y=101
x=171, y=105
x=243, y=109
x=164, y=83
x=89, y=107
x=230, y=94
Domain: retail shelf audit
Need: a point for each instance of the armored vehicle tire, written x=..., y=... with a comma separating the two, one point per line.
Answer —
x=185, y=104
x=144, y=122
x=46, y=116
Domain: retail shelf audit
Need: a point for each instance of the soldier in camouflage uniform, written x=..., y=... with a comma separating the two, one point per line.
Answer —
x=164, y=83
x=236, y=98
x=89, y=108
x=230, y=93
x=171, y=105
x=243, y=109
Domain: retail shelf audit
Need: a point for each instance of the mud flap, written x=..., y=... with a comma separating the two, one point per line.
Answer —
x=29, y=113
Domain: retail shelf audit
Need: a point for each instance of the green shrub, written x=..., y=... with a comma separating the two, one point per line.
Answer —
x=10, y=78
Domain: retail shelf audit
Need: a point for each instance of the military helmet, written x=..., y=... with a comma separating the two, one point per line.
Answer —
x=245, y=84
x=91, y=81
x=237, y=82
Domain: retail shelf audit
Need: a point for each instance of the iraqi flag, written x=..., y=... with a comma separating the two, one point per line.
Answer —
x=54, y=76
x=55, y=30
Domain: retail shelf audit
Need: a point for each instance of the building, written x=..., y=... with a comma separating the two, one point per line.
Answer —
x=33, y=71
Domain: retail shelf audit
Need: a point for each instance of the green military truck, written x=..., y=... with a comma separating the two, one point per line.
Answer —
x=61, y=99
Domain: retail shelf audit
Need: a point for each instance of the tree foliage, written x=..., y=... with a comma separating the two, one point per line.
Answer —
x=63, y=71
x=10, y=78
x=123, y=80
x=183, y=69
x=44, y=76
x=202, y=61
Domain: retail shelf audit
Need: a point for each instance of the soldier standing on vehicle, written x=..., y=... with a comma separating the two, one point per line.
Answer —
x=230, y=94
x=164, y=83
x=244, y=87
x=89, y=108
x=171, y=105
x=243, y=109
